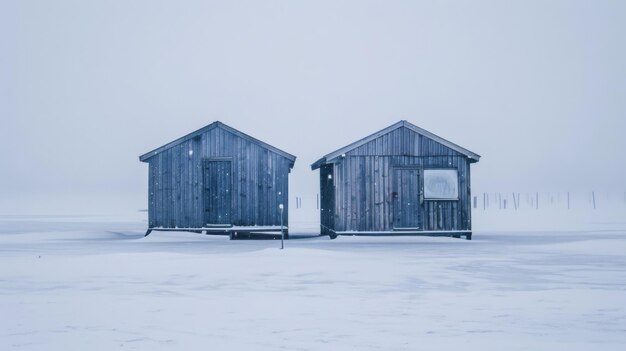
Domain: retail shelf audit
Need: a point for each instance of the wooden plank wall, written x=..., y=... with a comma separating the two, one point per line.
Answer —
x=327, y=198
x=364, y=183
x=217, y=187
x=260, y=182
x=406, y=198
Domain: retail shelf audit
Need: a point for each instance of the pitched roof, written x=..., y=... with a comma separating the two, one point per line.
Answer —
x=216, y=124
x=333, y=155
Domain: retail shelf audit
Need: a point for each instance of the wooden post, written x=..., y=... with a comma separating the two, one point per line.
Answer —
x=593, y=198
x=537, y=200
x=282, y=232
x=475, y=201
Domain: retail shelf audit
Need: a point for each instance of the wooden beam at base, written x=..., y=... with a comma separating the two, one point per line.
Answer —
x=232, y=232
x=454, y=234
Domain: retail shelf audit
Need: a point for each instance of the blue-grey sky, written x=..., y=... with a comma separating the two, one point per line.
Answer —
x=538, y=88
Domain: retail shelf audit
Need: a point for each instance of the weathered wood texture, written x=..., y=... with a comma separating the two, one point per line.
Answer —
x=405, y=196
x=217, y=177
x=327, y=199
x=217, y=185
x=378, y=186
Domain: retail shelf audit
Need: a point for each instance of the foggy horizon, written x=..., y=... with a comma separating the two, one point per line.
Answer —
x=535, y=88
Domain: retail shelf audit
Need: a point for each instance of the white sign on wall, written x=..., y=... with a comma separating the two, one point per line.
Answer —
x=441, y=184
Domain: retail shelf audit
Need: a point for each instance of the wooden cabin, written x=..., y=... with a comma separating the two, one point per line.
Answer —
x=402, y=180
x=218, y=180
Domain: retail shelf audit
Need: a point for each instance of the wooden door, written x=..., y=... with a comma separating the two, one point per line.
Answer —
x=406, y=198
x=217, y=192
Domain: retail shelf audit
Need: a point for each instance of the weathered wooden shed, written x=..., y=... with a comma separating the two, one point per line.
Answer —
x=218, y=180
x=402, y=180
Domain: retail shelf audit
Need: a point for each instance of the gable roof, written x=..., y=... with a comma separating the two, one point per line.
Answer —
x=333, y=155
x=216, y=124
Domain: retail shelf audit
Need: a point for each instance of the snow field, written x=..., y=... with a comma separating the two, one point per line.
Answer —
x=102, y=286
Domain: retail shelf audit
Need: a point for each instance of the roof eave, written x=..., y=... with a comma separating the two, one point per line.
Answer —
x=319, y=163
x=474, y=159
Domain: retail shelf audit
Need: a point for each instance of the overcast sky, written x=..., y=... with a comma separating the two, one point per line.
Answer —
x=538, y=88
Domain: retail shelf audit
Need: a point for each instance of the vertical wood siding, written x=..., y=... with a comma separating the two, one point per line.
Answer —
x=327, y=199
x=366, y=178
x=177, y=182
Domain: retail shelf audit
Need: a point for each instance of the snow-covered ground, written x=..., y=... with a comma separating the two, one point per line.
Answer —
x=97, y=284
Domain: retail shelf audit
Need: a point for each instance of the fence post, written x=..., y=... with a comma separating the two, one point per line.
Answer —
x=593, y=198
x=282, y=231
x=537, y=200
